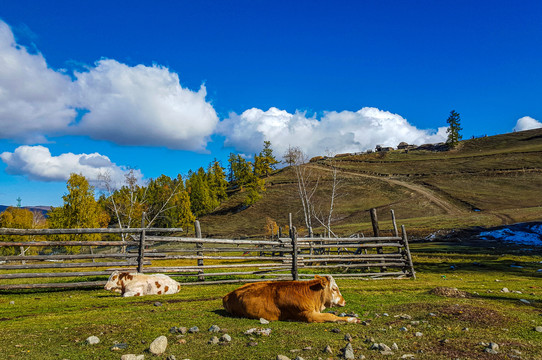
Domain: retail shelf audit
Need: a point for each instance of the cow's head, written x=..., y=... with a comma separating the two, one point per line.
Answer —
x=332, y=294
x=114, y=282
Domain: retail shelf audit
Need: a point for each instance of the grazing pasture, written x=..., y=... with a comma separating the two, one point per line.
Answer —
x=487, y=181
x=422, y=321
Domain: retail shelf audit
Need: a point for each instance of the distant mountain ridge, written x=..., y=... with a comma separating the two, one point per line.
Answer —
x=43, y=209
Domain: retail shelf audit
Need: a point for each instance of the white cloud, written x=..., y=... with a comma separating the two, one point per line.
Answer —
x=139, y=105
x=143, y=105
x=337, y=132
x=37, y=163
x=34, y=99
x=527, y=123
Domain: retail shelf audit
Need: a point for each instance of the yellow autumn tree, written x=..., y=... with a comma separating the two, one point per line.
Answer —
x=271, y=227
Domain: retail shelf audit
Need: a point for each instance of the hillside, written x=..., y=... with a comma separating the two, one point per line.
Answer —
x=487, y=181
x=42, y=209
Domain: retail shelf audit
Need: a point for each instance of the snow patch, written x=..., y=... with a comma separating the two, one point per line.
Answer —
x=527, y=234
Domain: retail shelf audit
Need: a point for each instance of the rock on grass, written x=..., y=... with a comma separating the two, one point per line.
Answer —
x=348, y=352
x=159, y=345
x=132, y=357
x=92, y=340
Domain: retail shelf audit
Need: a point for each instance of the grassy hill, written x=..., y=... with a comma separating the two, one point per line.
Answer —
x=483, y=182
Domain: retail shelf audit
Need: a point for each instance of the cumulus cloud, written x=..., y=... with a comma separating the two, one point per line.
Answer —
x=527, y=123
x=127, y=105
x=337, y=132
x=37, y=163
x=143, y=105
x=34, y=99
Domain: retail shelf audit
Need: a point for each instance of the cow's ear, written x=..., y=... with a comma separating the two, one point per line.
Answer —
x=320, y=284
x=324, y=279
x=317, y=286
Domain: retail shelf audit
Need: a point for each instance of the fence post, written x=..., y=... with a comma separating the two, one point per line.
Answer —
x=197, y=226
x=22, y=254
x=395, y=232
x=376, y=231
x=141, y=255
x=290, y=223
x=374, y=221
x=311, y=234
x=295, y=274
x=407, y=249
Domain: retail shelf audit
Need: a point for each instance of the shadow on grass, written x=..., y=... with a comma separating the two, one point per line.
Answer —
x=485, y=265
x=224, y=313
x=536, y=305
x=49, y=290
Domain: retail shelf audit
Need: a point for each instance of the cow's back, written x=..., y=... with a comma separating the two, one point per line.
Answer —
x=164, y=284
x=271, y=300
x=138, y=284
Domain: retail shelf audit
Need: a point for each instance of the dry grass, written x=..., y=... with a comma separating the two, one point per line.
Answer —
x=499, y=175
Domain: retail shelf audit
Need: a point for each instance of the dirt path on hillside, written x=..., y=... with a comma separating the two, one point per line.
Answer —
x=448, y=207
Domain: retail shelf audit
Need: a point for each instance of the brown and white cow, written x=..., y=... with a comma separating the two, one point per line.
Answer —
x=287, y=300
x=137, y=284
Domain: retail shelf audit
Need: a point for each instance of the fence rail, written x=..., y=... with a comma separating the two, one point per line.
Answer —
x=198, y=260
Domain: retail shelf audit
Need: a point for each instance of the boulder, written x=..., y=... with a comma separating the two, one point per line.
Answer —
x=159, y=345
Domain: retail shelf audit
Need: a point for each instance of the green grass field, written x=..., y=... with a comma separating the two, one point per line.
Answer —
x=54, y=324
x=485, y=182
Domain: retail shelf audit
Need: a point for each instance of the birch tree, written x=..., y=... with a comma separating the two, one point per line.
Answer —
x=307, y=182
x=325, y=216
x=158, y=199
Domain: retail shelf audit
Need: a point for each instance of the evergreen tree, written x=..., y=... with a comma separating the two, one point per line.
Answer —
x=240, y=170
x=174, y=211
x=217, y=181
x=454, y=122
x=260, y=168
x=254, y=189
x=245, y=173
x=232, y=166
x=200, y=196
x=267, y=158
x=185, y=217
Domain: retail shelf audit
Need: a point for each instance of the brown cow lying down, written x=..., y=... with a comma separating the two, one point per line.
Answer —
x=137, y=284
x=287, y=300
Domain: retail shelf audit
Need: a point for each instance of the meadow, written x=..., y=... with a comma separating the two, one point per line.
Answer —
x=422, y=322
x=466, y=295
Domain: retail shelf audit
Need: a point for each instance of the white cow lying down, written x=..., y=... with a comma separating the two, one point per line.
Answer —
x=137, y=284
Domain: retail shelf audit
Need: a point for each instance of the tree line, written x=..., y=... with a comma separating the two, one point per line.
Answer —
x=164, y=202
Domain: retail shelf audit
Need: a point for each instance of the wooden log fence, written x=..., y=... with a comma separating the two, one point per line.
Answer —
x=198, y=260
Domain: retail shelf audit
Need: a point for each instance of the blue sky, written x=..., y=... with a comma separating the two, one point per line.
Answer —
x=164, y=87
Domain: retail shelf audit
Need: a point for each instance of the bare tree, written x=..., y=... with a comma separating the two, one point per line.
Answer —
x=307, y=183
x=123, y=210
x=131, y=200
x=293, y=155
x=325, y=218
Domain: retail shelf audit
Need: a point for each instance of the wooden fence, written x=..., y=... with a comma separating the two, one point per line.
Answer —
x=197, y=260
